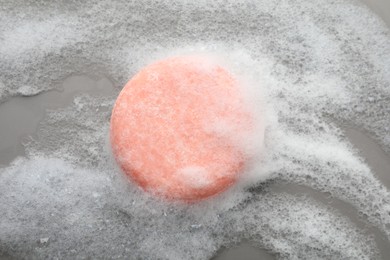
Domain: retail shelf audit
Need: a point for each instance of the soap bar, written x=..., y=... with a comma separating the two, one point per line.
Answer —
x=176, y=128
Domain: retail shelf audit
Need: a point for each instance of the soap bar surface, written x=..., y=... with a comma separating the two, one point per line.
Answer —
x=176, y=128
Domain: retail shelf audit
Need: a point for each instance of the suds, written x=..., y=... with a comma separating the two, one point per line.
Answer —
x=312, y=62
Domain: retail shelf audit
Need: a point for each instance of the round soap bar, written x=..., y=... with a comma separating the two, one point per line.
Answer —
x=176, y=128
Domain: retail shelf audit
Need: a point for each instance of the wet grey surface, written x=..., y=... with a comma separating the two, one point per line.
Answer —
x=379, y=162
x=375, y=157
x=23, y=114
x=20, y=117
x=245, y=251
x=381, y=7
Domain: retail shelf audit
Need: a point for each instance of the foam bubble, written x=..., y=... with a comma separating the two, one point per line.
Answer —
x=304, y=67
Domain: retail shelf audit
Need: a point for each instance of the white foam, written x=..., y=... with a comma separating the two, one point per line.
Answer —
x=303, y=65
x=195, y=176
x=42, y=35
